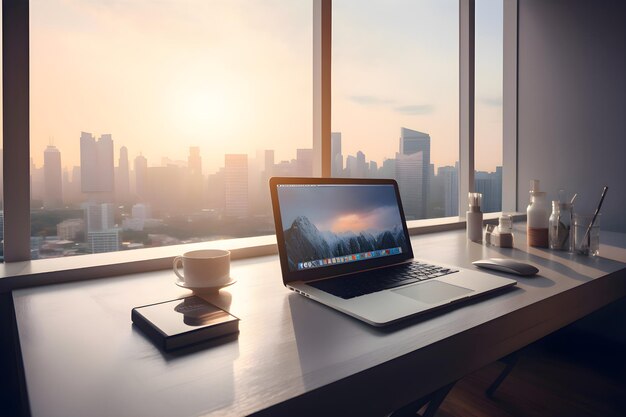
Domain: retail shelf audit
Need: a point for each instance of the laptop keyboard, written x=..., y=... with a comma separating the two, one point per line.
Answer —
x=354, y=285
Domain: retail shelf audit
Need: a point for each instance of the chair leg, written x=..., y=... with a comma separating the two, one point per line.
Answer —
x=436, y=401
x=431, y=401
x=511, y=361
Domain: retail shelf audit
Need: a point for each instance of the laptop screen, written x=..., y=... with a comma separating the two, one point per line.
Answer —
x=333, y=226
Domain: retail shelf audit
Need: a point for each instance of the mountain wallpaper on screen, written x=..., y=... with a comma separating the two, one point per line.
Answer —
x=305, y=242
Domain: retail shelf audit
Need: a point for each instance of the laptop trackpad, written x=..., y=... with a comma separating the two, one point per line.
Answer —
x=432, y=292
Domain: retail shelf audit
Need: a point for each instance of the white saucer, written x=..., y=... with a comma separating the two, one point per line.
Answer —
x=182, y=284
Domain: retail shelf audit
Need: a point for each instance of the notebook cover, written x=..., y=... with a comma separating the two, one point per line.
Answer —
x=183, y=322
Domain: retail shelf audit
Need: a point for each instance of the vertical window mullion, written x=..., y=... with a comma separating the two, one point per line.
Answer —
x=466, y=99
x=322, y=35
x=509, y=107
x=16, y=155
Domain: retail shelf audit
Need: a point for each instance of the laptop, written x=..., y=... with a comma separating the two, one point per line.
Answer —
x=345, y=244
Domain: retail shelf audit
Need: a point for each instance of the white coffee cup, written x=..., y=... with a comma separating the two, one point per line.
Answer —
x=204, y=268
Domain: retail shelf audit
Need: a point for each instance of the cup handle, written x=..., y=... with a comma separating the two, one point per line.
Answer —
x=175, y=265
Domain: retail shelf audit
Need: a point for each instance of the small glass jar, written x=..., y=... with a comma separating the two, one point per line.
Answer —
x=561, y=226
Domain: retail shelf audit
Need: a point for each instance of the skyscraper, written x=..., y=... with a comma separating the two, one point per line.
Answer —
x=258, y=177
x=195, y=182
x=194, y=161
x=235, y=185
x=490, y=185
x=449, y=177
x=361, y=166
x=96, y=163
x=122, y=178
x=304, y=158
x=99, y=221
x=412, y=141
x=53, y=178
x=98, y=217
x=409, y=172
x=336, y=161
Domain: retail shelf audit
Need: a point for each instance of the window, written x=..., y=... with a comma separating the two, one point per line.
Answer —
x=158, y=123
x=488, y=103
x=395, y=99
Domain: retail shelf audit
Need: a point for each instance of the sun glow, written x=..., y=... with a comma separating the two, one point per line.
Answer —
x=199, y=108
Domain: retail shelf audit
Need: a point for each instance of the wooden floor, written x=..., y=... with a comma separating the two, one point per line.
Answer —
x=561, y=375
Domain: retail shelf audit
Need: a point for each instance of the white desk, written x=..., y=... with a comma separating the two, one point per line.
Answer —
x=82, y=357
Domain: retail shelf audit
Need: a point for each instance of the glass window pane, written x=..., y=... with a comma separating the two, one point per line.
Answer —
x=395, y=98
x=488, y=103
x=157, y=123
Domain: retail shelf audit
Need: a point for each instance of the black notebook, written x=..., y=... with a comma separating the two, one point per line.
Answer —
x=186, y=321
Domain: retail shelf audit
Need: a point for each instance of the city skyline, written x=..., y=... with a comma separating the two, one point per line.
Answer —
x=194, y=160
x=178, y=186
x=102, y=207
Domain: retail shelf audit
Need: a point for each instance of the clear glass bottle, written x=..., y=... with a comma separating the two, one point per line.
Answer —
x=505, y=231
x=537, y=217
x=561, y=226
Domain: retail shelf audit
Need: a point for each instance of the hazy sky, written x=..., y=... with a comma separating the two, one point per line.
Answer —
x=236, y=76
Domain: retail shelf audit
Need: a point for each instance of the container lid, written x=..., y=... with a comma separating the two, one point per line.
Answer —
x=534, y=186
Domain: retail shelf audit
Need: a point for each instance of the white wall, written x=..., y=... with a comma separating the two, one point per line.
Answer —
x=572, y=102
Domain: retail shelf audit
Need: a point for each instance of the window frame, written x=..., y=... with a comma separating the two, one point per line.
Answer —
x=16, y=112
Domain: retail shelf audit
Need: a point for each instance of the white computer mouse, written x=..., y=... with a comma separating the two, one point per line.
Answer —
x=507, y=265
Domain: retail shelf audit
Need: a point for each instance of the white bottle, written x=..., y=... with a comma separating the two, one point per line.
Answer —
x=474, y=218
x=537, y=217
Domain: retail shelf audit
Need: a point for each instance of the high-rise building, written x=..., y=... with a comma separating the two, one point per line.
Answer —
x=260, y=169
x=285, y=169
x=351, y=166
x=98, y=217
x=356, y=166
x=373, y=169
x=194, y=161
x=194, y=184
x=104, y=241
x=449, y=179
x=105, y=153
x=73, y=193
x=216, y=190
x=36, y=183
x=69, y=229
x=336, y=161
x=304, y=158
x=490, y=185
x=53, y=178
x=236, y=185
x=141, y=176
x=122, y=177
x=411, y=142
x=388, y=170
x=96, y=163
x=99, y=226
x=361, y=166
x=409, y=172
